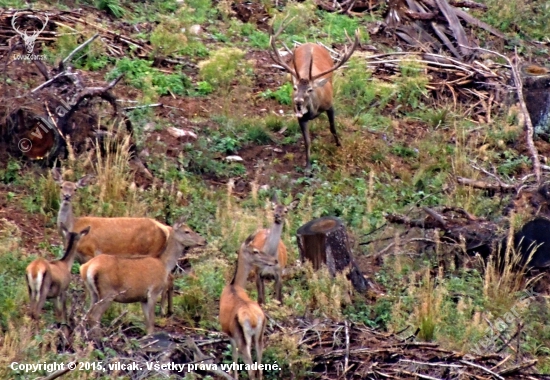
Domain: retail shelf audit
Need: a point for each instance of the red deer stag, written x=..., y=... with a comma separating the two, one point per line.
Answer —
x=311, y=72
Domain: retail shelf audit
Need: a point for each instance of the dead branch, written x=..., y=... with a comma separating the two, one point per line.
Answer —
x=503, y=188
x=56, y=374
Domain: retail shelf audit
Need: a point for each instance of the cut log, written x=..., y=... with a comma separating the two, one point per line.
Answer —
x=536, y=88
x=325, y=241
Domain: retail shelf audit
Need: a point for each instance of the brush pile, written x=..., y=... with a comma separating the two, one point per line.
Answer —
x=351, y=351
x=338, y=350
x=62, y=103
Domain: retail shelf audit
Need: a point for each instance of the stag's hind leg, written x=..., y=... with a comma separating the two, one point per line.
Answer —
x=330, y=114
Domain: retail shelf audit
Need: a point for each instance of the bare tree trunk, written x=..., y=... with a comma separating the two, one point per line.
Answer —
x=325, y=241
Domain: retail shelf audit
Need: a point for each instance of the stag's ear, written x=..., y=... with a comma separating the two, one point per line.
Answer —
x=320, y=82
x=56, y=175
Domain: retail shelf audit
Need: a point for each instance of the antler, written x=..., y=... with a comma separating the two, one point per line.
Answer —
x=36, y=32
x=347, y=54
x=44, y=23
x=275, y=56
x=14, y=26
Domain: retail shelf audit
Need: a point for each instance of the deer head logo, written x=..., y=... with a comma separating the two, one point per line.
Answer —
x=29, y=39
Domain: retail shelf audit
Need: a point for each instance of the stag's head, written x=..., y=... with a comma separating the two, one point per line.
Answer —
x=29, y=40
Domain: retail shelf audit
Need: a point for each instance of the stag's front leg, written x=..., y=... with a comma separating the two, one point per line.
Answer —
x=330, y=114
x=260, y=287
x=307, y=141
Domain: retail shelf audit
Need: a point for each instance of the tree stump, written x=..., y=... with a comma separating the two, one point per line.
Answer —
x=536, y=88
x=533, y=235
x=325, y=241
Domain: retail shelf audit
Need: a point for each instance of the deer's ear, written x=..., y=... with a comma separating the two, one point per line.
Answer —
x=320, y=82
x=84, y=181
x=56, y=175
x=293, y=205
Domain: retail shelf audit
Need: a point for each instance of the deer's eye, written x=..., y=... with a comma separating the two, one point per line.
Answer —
x=309, y=90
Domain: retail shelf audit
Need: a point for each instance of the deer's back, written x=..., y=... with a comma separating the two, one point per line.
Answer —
x=131, y=278
x=121, y=236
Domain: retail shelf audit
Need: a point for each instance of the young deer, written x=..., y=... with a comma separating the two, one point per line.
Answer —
x=50, y=279
x=311, y=72
x=241, y=318
x=129, y=279
x=269, y=241
x=65, y=215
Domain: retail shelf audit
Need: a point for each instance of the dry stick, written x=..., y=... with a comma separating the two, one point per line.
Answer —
x=78, y=48
x=486, y=186
x=145, y=106
x=518, y=367
x=482, y=368
x=523, y=107
x=431, y=364
x=63, y=73
x=56, y=374
x=419, y=375
x=346, y=359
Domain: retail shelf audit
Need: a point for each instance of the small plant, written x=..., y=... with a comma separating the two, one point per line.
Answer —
x=140, y=74
x=412, y=84
x=112, y=7
x=257, y=135
x=10, y=173
x=204, y=88
x=283, y=94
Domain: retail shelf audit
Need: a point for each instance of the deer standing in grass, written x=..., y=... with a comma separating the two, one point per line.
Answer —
x=241, y=318
x=311, y=73
x=113, y=236
x=68, y=189
x=129, y=279
x=51, y=279
x=269, y=241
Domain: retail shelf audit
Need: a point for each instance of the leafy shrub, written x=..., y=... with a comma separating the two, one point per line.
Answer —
x=223, y=67
x=283, y=94
x=167, y=39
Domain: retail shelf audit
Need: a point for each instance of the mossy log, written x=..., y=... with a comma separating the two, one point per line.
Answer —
x=325, y=241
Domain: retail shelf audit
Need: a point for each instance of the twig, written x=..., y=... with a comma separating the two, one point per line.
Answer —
x=486, y=186
x=78, y=48
x=416, y=374
x=56, y=374
x=145, y=106
x=431, y=364
x=346, y=359
x=482, y=368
